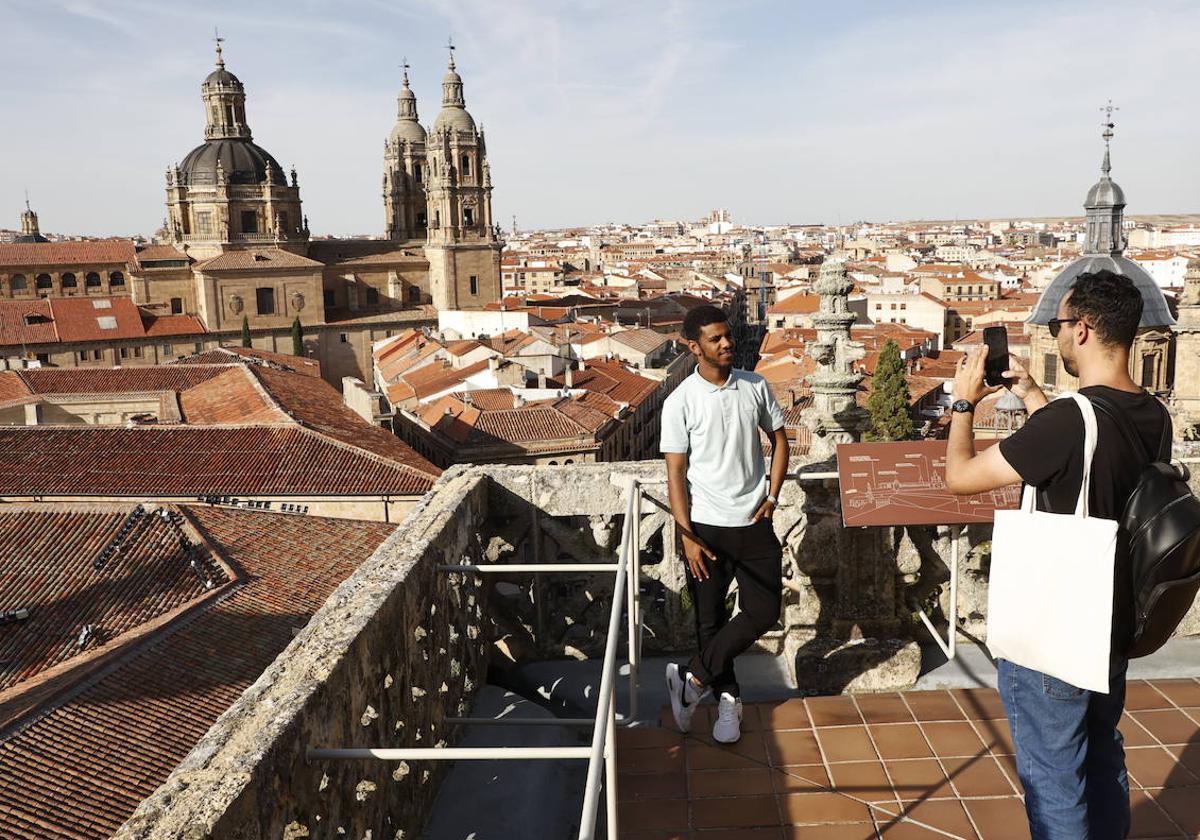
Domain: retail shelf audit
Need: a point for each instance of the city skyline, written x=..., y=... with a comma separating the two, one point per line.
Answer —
x=945, y=113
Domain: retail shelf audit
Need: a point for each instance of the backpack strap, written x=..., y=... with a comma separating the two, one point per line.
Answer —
x=1130, y=433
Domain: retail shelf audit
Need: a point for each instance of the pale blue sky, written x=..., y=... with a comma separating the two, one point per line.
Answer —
x=616, y=111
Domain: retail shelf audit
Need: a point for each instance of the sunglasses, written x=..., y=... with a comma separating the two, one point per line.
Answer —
x=1055, y=324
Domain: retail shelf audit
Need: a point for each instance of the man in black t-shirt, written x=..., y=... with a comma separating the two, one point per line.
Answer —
x=1069, y=752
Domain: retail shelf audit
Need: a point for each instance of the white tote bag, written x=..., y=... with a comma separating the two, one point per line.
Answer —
x=1050, y=592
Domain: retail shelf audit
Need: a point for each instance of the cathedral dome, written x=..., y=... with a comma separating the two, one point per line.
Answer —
x=454, y=119
x=408, y=130
x=1155, y=312
x=1105, y=193
x=222, y=77
x=242, y=162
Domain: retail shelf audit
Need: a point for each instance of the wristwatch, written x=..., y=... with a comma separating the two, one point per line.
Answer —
x=962, y=406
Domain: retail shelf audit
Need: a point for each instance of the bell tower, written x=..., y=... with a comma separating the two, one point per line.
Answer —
x=463, y=244
x=404, y=172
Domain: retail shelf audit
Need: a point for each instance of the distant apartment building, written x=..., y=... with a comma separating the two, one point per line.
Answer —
x=921, y=311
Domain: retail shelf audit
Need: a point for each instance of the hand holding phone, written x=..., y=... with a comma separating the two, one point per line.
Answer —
x=997, y=362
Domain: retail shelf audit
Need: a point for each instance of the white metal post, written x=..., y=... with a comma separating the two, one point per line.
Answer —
x=610, y=766
x=634, y=506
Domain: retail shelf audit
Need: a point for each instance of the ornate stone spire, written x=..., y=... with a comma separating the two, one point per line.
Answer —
x=407, y=100
x=452, y=87
x=834, y=416
x=224, y=102
x=1105, y=204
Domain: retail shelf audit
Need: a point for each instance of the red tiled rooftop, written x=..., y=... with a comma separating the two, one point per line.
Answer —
x=91, y=252
x=912, y=764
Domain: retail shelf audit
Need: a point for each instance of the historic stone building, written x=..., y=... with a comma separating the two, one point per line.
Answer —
x=237, y=246
x=1104, y=248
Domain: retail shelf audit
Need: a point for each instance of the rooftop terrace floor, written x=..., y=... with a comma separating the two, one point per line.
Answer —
x=917, y=764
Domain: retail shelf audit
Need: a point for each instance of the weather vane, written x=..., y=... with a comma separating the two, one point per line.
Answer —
x=1108, y=121
x=450, y=46
x=404, y=64
x=217, y=39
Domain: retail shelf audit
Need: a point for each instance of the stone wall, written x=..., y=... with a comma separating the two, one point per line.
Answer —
x=397, y=648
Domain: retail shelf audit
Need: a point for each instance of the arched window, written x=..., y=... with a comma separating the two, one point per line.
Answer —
x=18, y=283
x=116, y=278
x=69, y=281
x=417, y=171
x=43, y=281
x=466, y=165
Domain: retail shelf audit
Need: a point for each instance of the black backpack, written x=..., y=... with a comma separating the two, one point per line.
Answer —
x=1158, y=570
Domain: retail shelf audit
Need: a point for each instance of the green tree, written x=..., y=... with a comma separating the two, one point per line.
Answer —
x=888, y=402
x=246, y=342
x=297, y=338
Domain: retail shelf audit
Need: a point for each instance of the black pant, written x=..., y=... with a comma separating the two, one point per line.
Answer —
x=751, y=554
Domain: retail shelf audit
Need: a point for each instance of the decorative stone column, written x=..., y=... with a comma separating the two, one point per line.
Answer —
x=1185, y=395
x=846, y=628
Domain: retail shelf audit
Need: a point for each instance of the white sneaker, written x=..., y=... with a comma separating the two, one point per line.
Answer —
x=728, y=727
x=685, y=697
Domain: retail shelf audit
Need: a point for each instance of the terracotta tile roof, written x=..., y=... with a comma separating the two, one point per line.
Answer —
x=116, y=380
x=641, y=340
x=166, y=326
x=157, y=253
x=463, y=347
x=362, y=252
x=110, y=252
x=586, y=415
x=82, y=319
x=256, y=258
x=231, y=396
x=487, y=399
x=613, y=380
x=194, y=460
x=81, y=767
x=13, y=388
x=26, y=322
x=526, y=425
x=243, y=355
x=434, y=378
x=797, y=304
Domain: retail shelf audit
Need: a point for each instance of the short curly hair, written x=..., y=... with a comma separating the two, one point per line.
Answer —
x=1110, y=303
x=701, y=316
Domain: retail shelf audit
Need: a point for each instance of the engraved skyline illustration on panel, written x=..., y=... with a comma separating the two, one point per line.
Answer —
x=904, y=483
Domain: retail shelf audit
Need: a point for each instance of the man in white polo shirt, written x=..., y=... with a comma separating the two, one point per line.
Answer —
x=722, y=501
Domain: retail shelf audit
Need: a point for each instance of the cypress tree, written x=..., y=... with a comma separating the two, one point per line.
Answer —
x=297, y=338
x=888, y=402
x=246, y=342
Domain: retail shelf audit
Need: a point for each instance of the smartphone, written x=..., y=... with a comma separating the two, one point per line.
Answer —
x=996, y=339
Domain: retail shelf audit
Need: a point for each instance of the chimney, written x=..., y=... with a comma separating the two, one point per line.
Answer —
x=569, y=377
x=541, y=380
x=493, y=363
x=519, y=401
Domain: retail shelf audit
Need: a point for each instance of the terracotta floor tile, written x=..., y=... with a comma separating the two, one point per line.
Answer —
x=953, y=739
x=1183, y=806
x=833, y=711
x=651, y=786
x=864, y=780
x=800, y=777
x=933, y=705
x=945, y=814
x=883, y=708
x=921, y=778
x=765, y=833
x=751, y=742
x=996, y=735
x=1180, y=692
x=735, y=812
x=790, y=714
x=829, y=832
x=650, y=760
x=654, y=835
x=706, y=757
x=798, y=746
x=818, y=808
x=1188, y=756
x=980, y=776
x=848, y=743
x=653, y=814
x=1154, y=767
x=643, y=737
x=714, y=783
x=1148, y=819
x=999, y=819
x=901, y=740
x=1008, y=763
x=1135, y=735
x=1169, y=726
x=895, y=830
x=980, y=703
x=1140, y=695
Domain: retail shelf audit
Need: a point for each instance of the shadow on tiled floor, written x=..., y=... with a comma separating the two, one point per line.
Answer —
x=921, y=764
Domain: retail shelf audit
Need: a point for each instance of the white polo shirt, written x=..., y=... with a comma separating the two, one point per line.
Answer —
x=717, y=426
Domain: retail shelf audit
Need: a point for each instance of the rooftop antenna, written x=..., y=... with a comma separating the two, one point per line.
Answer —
x=217, y=39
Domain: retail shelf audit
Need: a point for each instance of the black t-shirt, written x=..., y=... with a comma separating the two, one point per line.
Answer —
x=1047, y=452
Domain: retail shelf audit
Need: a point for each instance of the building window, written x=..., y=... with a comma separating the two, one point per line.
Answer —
x=264, y=297
x=18, y=283
x=168, y=350
x=97, y=355
x=204, y=222
x=249, y=221
x=372, y=296
x=176, y=306
x=124, y=352
x=421, y=220
x=474, y=282
x=1050, y=369
x=417, y=178
x=330, y=301
x=43, y=281
x=137, y=352
x=466, y=165
x=414, y=294
x=343, y=338
x=116, y=278
x=69, y=280
x=1149, y=368
x=468, y=216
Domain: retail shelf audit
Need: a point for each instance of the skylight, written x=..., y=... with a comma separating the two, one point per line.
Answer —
x=107, y=322
x=102, y=304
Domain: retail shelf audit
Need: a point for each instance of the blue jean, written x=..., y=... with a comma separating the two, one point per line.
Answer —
x=1070, y=756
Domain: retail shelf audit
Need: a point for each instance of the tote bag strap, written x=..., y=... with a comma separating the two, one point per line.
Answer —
x=1089, y=447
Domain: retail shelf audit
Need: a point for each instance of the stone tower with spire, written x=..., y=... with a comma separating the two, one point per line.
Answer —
x=404, y=171
x=29, y=225
x=462, y=244
x=229, y=193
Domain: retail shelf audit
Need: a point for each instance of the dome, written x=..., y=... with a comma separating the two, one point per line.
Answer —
x=453, y=119
x=243, y=162
x=409, y=130
x=222, y=77
x=1154, y=306
x=1105, y=193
